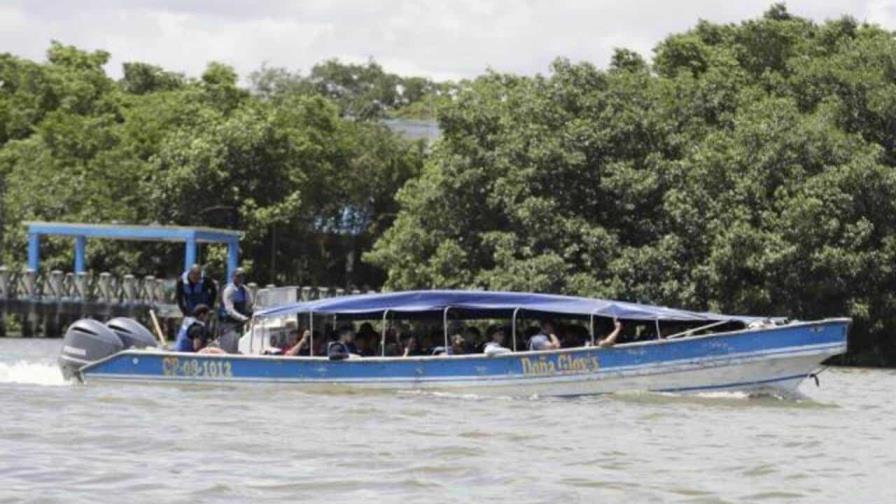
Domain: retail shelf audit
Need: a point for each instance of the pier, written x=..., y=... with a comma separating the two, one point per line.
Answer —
x=45, y=304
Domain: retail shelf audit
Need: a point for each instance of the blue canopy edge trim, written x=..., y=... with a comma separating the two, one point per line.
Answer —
x=488, y=302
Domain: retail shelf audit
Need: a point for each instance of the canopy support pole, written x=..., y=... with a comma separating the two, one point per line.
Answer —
x=513, y=326
x=445, y=326
x=696, y=329
x=383, y=340
x=311, y=328
x=592, y=328
x=659, y=333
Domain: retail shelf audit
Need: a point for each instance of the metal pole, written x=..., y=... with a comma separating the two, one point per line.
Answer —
x=311, y=328
x=690, y=332
x=33, y=251
x=445, y=326
x=80, y=254
x=513, y=326
x=190, y=253
x=659, y=333
x=592, y=328
x=383, y=340
x=233, y=257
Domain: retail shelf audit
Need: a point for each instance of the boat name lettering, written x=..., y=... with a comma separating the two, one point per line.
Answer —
x=561, y=364
x=195, y=368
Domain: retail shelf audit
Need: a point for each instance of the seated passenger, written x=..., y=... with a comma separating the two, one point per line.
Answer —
x=495, y=346
x=457, y=347
x=410, y=346
x=302, y=347
x=546, y=339
x=194, y=335
x=610, y=340
x=344, y=347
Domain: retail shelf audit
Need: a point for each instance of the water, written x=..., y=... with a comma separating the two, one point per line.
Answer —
x=156, y=443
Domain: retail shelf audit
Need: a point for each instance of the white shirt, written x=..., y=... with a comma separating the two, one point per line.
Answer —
x=493, y=348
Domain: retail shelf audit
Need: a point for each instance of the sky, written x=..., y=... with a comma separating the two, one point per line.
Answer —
x=447, y=39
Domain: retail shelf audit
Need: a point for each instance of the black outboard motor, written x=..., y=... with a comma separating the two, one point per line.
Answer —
x=132, y=333
x=86, y=341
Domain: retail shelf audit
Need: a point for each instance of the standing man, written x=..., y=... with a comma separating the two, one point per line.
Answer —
x=193, y=289
x=236, y=309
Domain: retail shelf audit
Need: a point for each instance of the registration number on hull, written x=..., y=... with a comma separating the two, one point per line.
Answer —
x=196, y=368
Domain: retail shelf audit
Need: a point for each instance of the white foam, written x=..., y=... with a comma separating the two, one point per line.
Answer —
x=37, y=373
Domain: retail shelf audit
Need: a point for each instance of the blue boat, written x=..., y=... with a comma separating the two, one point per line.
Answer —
x=677, y=351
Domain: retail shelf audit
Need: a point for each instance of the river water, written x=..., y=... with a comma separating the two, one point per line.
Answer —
x=155, y=443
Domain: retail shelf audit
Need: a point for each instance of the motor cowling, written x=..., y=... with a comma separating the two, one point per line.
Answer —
x=86, y=341
x=132, y=333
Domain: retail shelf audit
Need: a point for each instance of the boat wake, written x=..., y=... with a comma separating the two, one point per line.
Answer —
x=35, y=373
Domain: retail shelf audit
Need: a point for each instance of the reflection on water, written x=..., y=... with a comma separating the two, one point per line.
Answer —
x=157, y=443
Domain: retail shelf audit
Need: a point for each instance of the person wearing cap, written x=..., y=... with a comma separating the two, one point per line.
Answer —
x=194, y=289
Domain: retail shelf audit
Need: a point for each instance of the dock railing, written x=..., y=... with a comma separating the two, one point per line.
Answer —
x=44, y=303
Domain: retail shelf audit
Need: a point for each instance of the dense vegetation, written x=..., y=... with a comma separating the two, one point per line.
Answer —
x=284, y=161
x=750, y=168
x=746, y=168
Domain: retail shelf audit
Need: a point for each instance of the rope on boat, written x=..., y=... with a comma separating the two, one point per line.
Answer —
x=814, y=376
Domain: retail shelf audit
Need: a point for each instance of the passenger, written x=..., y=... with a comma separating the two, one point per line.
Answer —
x=495, y=346
x=410, y=346
x=546, y=339
x=367, y=339
x=194, y=335
x=344, y=347
x=610, y=340
x=458, y=345
x=193, y=289
x=473, y=338
x=303, y=346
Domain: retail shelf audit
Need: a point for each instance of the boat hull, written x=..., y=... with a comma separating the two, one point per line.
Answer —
x=775, y=359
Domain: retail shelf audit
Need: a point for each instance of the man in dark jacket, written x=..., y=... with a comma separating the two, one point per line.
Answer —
x=194, y=289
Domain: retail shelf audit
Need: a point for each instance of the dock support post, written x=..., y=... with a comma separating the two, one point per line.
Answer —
x=33, y=251
x=80, y=247
x=190, y=253
x=233, y=257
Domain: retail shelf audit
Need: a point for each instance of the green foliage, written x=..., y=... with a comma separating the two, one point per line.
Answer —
x=363, y=92
x=750, y=169
x=309, y=187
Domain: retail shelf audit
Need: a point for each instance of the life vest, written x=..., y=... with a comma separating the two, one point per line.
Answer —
x=183, y=343
x=195, y=294
x=240, y=302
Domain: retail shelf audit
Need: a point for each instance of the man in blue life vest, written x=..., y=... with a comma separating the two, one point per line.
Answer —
x=193, y=289
x=194, y=335
x=236, y=309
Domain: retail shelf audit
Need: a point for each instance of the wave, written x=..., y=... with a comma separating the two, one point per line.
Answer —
x=35, y=373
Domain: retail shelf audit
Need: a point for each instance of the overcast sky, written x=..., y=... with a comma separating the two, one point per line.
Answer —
x=445, y=39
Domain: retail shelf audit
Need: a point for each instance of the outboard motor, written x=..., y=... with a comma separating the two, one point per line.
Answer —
x=132, y=333
x=86, y=341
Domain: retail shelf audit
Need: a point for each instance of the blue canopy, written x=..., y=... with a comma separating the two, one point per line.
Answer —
x=489, y=304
